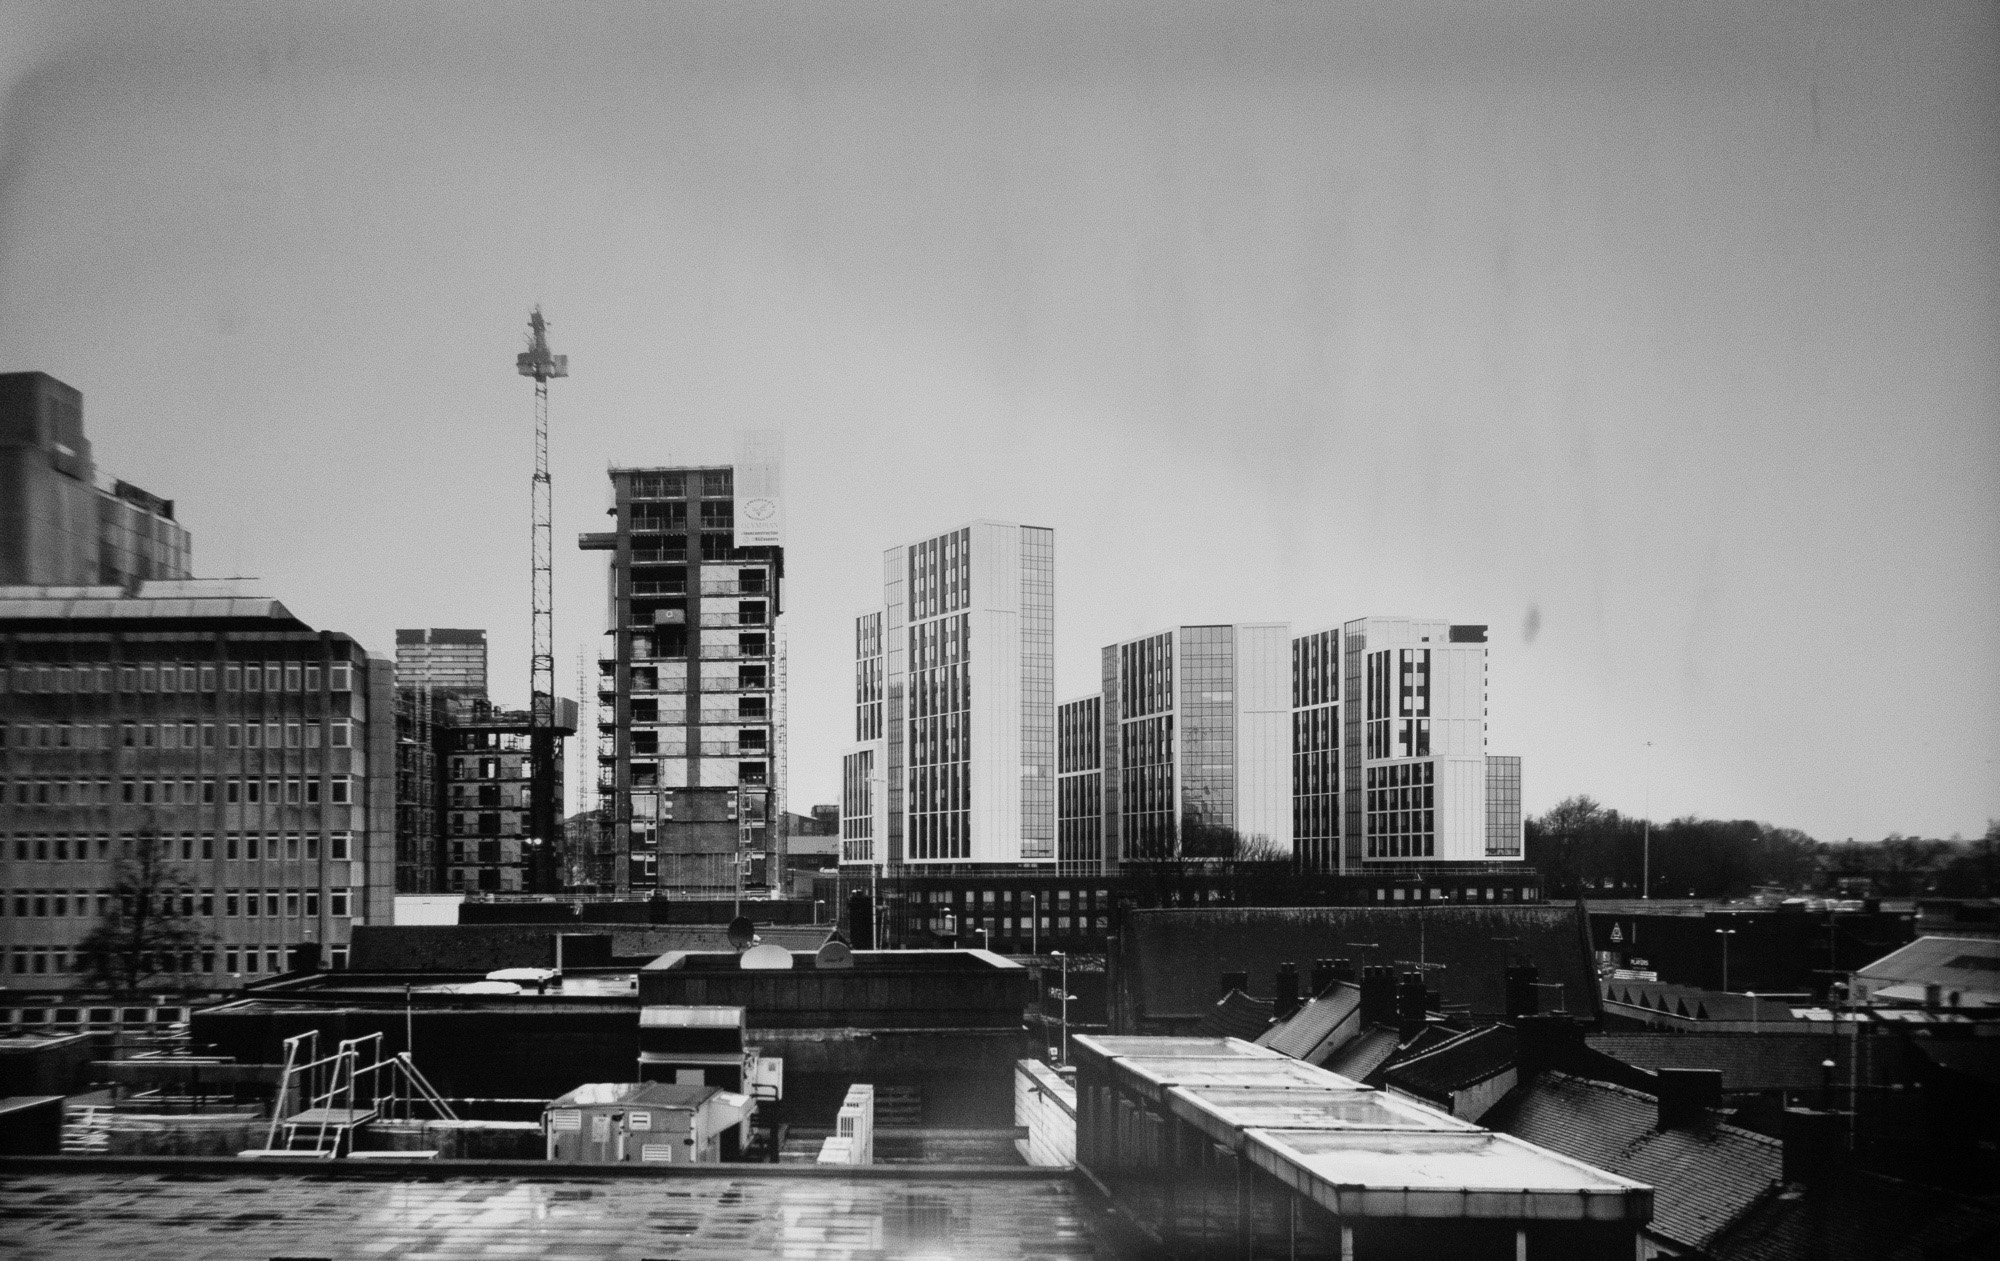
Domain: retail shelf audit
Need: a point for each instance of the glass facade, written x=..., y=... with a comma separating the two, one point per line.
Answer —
x=1038, y=687
x=1503, y=806
x=1316, y=750
x=1207, y=732
x=1080, y=786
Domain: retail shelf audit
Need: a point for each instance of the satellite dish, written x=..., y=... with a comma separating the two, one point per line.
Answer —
x=834, y=954
x=766, y=958
x=742, y=933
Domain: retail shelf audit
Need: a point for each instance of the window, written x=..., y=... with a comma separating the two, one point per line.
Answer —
x=336, y=845
x=254, y=790
x=291, y=792
x=750, y=612
x=208, y=678
x=274, y=735
x=232, y=681
x=312, y=735
x=294, y=736
x=253, y=735
x=253, y=677
x=251, y=847
x=232, y=736
x=312, y=792
x=292, y=678
x=342, y=732
x=340, y=790
x=312, y=678
x=312, y=903
x=338, y=678
x=208, y=735
x=337, y=903
x=230, y=907
x=312, y=849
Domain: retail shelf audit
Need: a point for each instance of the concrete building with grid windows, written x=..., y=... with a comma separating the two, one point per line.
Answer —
x=954, y=763
x=63, y=521
x=254, y=754
x=1415, y=770
x=691, y=722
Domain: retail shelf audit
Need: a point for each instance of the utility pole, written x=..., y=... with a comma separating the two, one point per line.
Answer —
x=539, y=362
x=1646, y=845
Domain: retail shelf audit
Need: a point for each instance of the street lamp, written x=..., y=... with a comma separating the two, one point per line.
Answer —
x=1725, y=934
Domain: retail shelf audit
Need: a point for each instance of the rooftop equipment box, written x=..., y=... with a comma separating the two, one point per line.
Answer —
x=608, y=1123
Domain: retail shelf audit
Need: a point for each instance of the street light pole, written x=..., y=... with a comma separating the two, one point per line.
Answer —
x=1725, y=934
x=1646, y=844
x=1062, y=1043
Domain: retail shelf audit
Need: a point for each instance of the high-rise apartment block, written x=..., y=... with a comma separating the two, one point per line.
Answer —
x=691, y=720
x=449, y=662
x=1197, y=744
x=62, y=521
x=1347, y=750
x=955, y=704
x=251, y=752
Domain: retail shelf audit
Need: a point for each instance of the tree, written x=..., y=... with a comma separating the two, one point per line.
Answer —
x=149, y=930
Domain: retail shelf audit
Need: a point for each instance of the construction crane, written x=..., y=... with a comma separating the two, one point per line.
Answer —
x=539, y=362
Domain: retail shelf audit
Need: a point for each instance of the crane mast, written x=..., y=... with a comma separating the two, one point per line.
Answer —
x=539, y=362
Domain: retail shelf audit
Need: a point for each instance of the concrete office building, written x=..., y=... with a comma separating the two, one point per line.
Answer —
x=954, y=766
x=691, y=724
x=62, y=521
x=449, y=662
x=255, y=751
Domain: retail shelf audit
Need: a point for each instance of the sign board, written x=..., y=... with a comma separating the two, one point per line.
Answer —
x=600, y=1128
x=759, y=482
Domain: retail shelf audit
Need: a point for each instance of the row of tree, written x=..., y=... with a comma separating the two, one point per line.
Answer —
x=1580, y=844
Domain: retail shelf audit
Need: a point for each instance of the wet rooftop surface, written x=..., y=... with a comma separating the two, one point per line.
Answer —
x=253, y=1217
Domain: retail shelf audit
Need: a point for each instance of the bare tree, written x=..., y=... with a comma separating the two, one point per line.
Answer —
x=149, y=931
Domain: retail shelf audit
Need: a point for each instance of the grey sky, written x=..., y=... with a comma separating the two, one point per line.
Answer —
x=1668, y=329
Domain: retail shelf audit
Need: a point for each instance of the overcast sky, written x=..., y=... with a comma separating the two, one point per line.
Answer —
x=1659, y=337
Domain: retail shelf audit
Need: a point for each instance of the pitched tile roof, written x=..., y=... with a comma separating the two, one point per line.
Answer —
x=1474, y=1056
x=1320, y=1026
x=1753, y=1061
x=1706, y=1175
x=1362, y=1055
x=1861, y=1216
x=1236, y=1015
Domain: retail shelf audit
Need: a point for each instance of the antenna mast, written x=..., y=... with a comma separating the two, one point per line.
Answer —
x=539, y=362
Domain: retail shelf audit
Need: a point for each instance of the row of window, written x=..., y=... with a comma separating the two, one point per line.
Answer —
x=268, y=676
x=185, y=792
x=252, y=846
x=184, y=735
x=233, y=961
x=234, y=903
x=940, y=574
x=716, y=482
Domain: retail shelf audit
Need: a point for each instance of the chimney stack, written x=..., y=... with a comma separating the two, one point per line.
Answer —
x=1285, y=991
x=1813, y=1144
x=1684, y=1094
x=1410, y=1003
x=1322, y=977
x=1522, y=999
x=1378, y=996
x=1343, y=970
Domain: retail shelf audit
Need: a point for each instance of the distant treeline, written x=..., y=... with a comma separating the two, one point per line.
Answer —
x=1582, y=843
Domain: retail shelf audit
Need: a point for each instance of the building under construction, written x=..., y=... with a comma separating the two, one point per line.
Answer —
x=691, y=688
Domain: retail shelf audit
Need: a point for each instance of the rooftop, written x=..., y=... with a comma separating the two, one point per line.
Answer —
x=1707, y=1174
x=237, y=1211
x=1470, y=1058
x=1322, y=1024
x=207, y=599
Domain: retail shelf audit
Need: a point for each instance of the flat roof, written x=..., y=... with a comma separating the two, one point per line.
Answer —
x=1375, y=1173
x=1225, y=1112
x=1153, y=1078
x=531, y=1209
x=1111, y=1046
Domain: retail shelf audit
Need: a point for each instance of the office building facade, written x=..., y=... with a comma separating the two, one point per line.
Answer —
x=962, y=721
x=253, y=753
x=62, y=521
x=486, y=772
x=450, y=662
x=691, y=688
x=1080, y=786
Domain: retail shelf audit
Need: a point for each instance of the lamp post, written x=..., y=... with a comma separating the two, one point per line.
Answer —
x=1646, y=833
x=1725, y=934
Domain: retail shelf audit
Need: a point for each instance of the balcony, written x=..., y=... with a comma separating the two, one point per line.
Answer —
x=726, y=618
x=714, y=587
x=677, y=587
x=711, y=651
